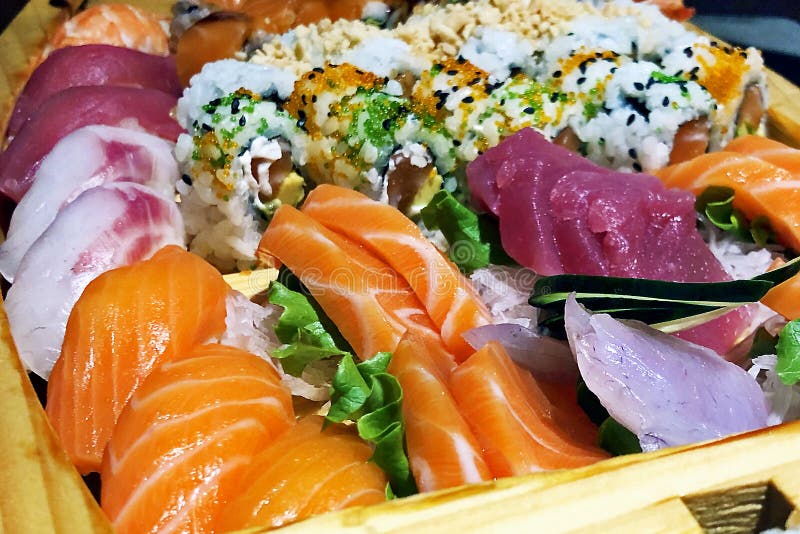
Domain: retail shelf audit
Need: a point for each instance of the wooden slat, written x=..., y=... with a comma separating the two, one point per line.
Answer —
x=618, y=493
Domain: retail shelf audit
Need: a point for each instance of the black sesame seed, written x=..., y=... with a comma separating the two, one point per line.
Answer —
x=186, y=179
x=582, y=67
x=312, y=76
x=694, y=70
x=554, y=98
x=632, y=153
x=665, y=102
x=634, y=48
x=242, y=120
x=438, y=66
x=313, y=98
x=557, y=74
x=637, y=167
x=679, y=73
x=688, y=52
x=743, y=54
x=216, y=102
x=461, y=60
x=728, y=50
x=439, y=105
x=581, y=80
x=454, y=88
x=359, y=72
x=452, y=72
x=598, y=54
x=318, y=69
x=631, y=118
x=713, y=43
x=385, y=79
x=206, y=127
x=468, y=100
x=528, y=111
x=303, y=99
x=235, y=106
x=387, y=123
x=301, y=114
x=613, y=70
x=639, y=86
x=502, y=101
x=473, y=81
x=456, y=142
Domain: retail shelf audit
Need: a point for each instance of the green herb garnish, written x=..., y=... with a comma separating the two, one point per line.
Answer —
x=304, y=337
x=367, y=394
x=716, y=203
x=668, y=306
x=616, y=439
x=474, y=240
x=788, y=350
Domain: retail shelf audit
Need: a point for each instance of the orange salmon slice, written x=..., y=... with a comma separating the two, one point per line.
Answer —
x=186, y=438
x=768, y=150
x=761, y=189
x=126, y=322
x=446, y=294
x=370, y=304
x=442, y=449
x=305, y=472
x=514, y=421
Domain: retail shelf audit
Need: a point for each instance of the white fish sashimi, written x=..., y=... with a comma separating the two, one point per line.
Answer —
x=665, y=390
x=86, y=158
x=104, y=228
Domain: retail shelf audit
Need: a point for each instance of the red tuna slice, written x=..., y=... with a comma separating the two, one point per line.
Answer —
x=496, y=168
x=73, y=108
x=628, y=225
x=92, y=65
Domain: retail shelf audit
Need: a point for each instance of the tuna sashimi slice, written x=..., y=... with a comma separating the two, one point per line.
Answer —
x=104, y=228
x=107, y=154
x=127, y=322
x=446, y=294
x=442, y=450
x=187, y=437
x=307, y=471
x=369, y=302
x=91, y=65
x=514, y=420
x=665, y=390
x=70, y=109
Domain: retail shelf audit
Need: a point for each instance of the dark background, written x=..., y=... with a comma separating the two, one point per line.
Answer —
x=779, y=39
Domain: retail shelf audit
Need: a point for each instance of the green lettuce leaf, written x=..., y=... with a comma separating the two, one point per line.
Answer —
x=474, y=240
x=304, y=337
x=716, y=202
x=367, y=394
x=788, y=350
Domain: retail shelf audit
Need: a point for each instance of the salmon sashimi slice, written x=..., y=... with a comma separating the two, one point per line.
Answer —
x=186, y=438
x=512, y=418
x=768, y=150
x=446, y=294
x=126, y=322
x=761, y=189
x=442, y=449
x=369, y=303
x=785, y=297
x=306, y=471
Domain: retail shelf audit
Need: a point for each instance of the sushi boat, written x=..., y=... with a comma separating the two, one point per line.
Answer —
x=677, y=489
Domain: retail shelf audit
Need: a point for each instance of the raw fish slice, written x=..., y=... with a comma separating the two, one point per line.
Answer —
x=372, y=306
x=127, y=322
x=305, y=472
x=446, y=294
x=768, y=150
x=90, y=65
x=442, y=450
x=761, y=189
x=70, y=109
x=113, y=24
x=104, y=228
x=496, y=168
x=513, y=419
x=665, y=390
x=185, y=440
x=107, y=154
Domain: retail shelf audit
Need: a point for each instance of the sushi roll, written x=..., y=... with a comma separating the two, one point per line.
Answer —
x=733, y=76
x=236, y=161
x=361, y=131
